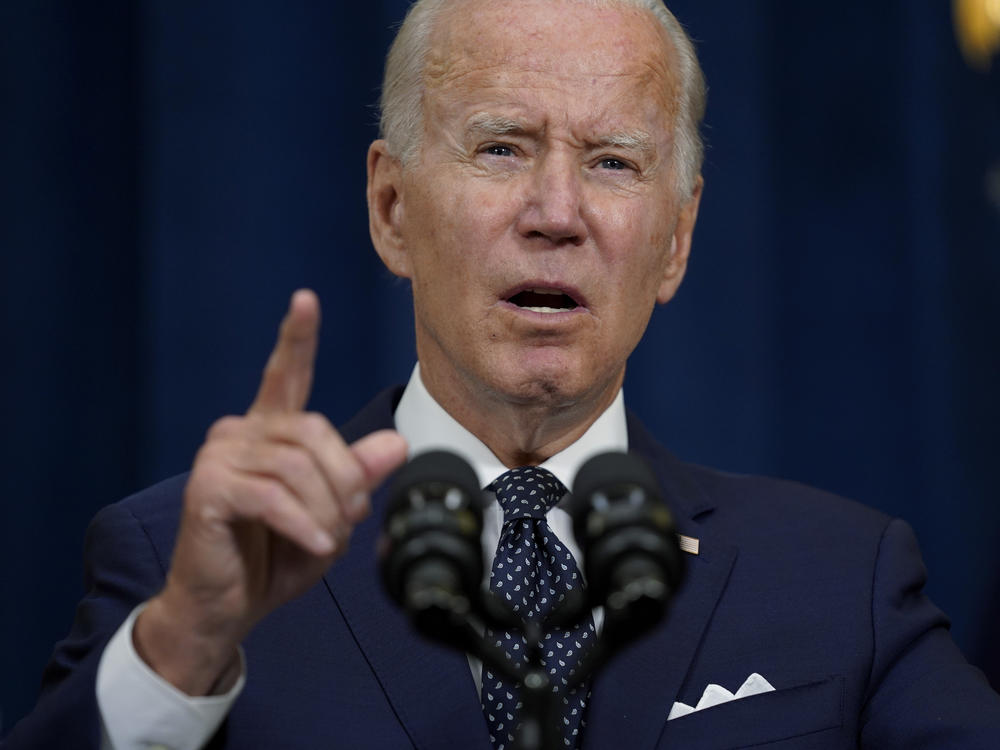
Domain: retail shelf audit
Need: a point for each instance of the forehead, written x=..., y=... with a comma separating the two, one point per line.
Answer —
x=512, y=49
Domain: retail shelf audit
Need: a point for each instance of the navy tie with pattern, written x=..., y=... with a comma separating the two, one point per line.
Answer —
x=531, y=573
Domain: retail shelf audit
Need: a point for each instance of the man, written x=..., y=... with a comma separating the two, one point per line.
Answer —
x=538, y=184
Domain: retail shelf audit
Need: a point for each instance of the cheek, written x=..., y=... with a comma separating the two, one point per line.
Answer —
x=468, y=232
x=453, y=209
x=656, y=249
x=449, y=241
x=483, y=208
x=634, y=247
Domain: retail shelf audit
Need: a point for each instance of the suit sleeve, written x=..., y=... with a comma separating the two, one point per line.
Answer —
x=122, y=569
x=923, y=693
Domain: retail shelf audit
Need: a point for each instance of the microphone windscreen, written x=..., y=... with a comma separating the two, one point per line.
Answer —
x=434, y=468
x=606, y=471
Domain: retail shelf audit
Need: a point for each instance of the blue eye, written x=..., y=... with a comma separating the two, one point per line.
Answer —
x=498, y=150
x=610, y=163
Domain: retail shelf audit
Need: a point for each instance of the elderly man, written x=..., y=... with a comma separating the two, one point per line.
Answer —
x=538, y=184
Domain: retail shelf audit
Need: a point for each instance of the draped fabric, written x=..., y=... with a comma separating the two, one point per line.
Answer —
x=170, y=172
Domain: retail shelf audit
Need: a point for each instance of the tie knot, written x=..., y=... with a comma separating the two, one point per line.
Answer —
x=527, y=492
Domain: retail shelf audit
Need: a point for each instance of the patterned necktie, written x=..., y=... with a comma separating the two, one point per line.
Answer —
x=531, y=573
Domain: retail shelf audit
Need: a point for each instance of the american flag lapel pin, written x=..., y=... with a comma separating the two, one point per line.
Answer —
x=689, y=544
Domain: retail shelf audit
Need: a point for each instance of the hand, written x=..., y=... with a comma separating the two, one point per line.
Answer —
x=271, y=502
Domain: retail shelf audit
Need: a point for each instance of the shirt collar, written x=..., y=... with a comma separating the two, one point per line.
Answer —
x=427, y=426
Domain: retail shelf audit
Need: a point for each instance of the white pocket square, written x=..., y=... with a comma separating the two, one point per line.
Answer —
x=716, y=694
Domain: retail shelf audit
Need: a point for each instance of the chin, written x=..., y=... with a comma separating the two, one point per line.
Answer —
x=554, y=385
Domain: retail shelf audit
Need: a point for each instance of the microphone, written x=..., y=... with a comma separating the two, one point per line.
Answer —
x=632, y=557
x=431, y=561
x=430, y=552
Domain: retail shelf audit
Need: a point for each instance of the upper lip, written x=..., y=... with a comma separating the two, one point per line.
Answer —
x=547, y=286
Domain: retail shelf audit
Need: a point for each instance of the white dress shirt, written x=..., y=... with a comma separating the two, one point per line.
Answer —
x=139, y=709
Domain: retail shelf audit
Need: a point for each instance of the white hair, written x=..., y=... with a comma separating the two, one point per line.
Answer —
x=401, y=104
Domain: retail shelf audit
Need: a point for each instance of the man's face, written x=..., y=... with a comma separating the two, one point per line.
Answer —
x=539, y=220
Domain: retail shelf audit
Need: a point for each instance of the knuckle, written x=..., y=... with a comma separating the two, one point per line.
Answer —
x=207, y=513
x=315, y=425
x=225, y=453
x=208, y=494
x=224, y=427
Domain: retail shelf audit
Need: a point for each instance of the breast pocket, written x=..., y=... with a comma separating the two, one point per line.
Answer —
x=805, y=711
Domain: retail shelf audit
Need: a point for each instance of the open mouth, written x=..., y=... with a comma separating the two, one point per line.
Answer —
x=543, y=300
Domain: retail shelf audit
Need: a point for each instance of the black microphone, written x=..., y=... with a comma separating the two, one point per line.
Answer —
x=430, y=552
x=626, y=533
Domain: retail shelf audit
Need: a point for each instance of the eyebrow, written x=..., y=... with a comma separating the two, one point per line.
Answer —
x=489, y=124
x=630, y=140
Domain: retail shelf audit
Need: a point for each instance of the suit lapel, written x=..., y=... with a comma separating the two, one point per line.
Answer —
x=430, y=687
x=633, y=694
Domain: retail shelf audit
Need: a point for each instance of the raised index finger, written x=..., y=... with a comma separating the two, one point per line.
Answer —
x=287, y=379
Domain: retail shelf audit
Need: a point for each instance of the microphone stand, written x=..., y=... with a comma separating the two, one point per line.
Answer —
x=443, y=614
x=451, y=619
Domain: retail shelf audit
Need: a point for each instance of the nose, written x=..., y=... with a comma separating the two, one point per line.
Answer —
x=554, y=203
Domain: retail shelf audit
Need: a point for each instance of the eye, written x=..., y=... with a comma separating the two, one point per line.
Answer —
x=498, y=149
x=612, y=163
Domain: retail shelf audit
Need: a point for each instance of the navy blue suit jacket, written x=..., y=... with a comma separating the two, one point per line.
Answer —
x=818, y=594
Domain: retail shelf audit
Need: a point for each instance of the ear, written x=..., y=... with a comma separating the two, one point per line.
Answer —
x=385, y=208
x=680, y=245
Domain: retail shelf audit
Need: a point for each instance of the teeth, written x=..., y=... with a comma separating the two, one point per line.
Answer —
x=546, y=309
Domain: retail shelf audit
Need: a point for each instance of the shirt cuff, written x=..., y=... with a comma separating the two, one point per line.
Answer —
x=139, y=709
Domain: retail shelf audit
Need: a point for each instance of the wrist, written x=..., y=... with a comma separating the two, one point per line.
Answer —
x=196, y=660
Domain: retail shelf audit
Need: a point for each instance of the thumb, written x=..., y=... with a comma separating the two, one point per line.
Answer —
x=380, y=453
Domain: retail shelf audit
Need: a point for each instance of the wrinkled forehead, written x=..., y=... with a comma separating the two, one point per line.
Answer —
x=490, y=42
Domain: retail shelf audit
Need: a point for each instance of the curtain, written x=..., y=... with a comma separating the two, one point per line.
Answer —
x=172, y=171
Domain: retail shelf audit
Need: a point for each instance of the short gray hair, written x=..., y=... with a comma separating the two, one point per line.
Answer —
x=401, y=104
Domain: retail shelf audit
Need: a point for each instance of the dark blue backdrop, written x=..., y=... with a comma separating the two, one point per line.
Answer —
x=171, y=171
